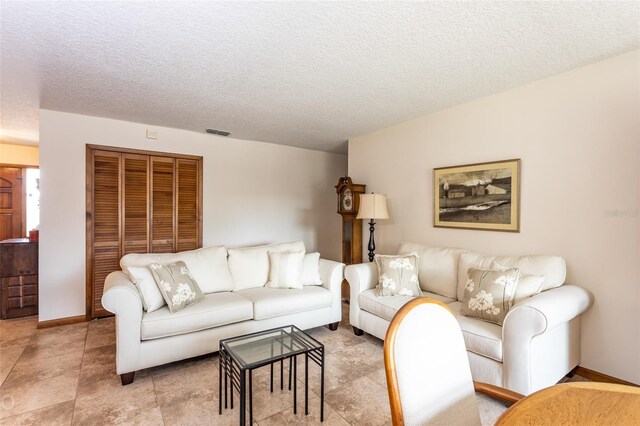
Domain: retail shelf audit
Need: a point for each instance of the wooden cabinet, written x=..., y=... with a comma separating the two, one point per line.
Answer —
x=138, y=202
x=348, y=205
x=18, y=278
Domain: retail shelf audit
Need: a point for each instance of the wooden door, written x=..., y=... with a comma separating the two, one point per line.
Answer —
x=11, y=203
x=107, y=223
x=135, y=197
x=163, y=220
x=187, y=202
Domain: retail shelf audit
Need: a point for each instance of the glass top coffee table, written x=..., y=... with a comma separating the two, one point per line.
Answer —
x=239, y=356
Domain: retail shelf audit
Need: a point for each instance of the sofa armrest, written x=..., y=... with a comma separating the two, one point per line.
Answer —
x=534, y=317
x=123, y=299
x=331, y=274
x=361, y=277
x=547, y=310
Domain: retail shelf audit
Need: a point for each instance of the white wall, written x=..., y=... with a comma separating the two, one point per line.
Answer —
x=253, y=193
x=578, y=135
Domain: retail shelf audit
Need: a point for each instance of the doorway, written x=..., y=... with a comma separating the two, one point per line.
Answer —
x=19, y=201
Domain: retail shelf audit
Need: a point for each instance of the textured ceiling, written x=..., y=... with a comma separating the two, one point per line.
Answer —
x=308, y=74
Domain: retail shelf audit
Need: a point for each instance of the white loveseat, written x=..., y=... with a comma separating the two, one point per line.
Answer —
x=539, y=341
x=235, y=302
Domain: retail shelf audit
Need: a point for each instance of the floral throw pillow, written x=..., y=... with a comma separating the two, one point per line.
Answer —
x=176, y=284
x=398, y=275
x=489, y=293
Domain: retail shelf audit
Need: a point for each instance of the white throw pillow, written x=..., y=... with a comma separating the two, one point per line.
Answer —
x=142, y=278
x=249, y=266
x=285, y=270
x=528, y=286
x=311, y=269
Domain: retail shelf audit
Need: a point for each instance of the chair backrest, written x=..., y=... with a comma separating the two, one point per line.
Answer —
x=428, y=374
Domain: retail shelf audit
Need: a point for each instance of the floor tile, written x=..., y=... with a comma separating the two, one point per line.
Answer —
x=286, y=417
x=115, y=407
x=53, y=415
x=35, y=370
x=8, y=358
x=362, y=402
x=31, y=395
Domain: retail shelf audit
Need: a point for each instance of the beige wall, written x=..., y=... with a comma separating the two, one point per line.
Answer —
x=578, y=135
x=253, y=193
x=19, y=154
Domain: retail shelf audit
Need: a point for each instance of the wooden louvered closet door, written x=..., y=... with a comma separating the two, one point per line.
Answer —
x=188, y=204
x=163, y=205
x=106, y=250
x=138, y=202
x=135, y=204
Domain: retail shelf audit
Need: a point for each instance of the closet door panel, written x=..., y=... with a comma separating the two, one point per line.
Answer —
x=163, y=223
x=135, y=222
x=188, y=216
x=106, y=223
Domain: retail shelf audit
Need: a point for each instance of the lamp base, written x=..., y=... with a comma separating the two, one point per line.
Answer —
x=372, y=242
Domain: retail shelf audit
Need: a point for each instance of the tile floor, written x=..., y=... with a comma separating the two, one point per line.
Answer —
x=66, y=375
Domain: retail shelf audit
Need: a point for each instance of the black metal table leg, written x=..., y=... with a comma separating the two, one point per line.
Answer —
x=220, y=384
x=306, y=384
x=322, y=384
x=231, y=382
x=243, y=402
x=290, y=369
x=271, y=365
x=251, y=397
x=281, y=374
x=295, y=385
x=226, y=383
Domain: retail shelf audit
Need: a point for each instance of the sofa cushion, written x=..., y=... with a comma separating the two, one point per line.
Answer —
x=178, y=287
x=249, y=266
x=152, y=299
x=489, y=293
x=480, y=337
x=273, y=302
x=311, y=269
x=387, y=306
x=438, y=268
x=214, y=310
x=553, y=268
x=285, y=270
x=207, y=265
x=397, y=275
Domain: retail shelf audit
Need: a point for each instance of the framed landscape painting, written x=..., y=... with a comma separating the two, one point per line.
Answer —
x=478, y=196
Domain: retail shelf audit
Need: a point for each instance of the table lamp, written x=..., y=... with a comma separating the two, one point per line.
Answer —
x=372, y=206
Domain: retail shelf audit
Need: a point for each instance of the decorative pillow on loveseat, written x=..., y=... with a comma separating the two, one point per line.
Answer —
x=489, y=293
x=398, y=275
x=176, y=284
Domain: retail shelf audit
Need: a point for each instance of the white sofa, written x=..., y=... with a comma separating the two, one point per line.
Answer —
x=539, y=342
x=235, y=302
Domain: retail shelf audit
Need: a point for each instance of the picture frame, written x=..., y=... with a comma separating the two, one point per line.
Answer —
x=483, y=196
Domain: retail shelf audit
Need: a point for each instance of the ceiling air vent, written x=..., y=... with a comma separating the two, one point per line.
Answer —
x=218, y=132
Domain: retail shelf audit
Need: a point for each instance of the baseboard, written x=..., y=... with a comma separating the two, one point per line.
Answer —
x=600, y=377
x=61, y=321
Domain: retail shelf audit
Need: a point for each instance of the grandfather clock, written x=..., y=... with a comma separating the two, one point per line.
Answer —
x=348, y=204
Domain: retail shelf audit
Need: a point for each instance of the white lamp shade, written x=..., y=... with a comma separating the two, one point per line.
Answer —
x=373, y=206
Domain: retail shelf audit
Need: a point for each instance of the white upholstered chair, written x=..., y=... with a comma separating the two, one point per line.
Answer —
x=428, y=374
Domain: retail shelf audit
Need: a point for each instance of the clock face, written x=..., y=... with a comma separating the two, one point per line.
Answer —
x=347, y=200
